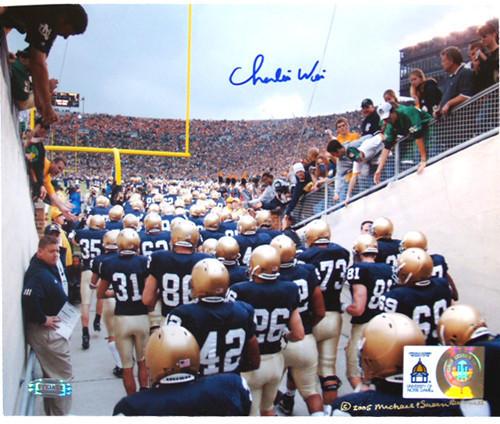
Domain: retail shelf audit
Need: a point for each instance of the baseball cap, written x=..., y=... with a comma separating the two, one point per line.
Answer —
x=52, y=228
x=54, y=212
x=297, y=167
x=384, y=110
x=366, y=103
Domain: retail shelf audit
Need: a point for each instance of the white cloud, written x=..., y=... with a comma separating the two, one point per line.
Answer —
x=282, y=106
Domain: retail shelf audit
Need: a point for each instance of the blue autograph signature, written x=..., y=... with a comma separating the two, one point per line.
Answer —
x=279, y=76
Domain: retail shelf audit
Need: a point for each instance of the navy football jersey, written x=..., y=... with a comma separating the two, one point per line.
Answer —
x=114, y=225
x=165, y=222
x=140, y=215
x=98, y=210
x=388, y=400
x=229, y=228
x=237, y=273
x=271, y=233
x=248, y=243
x=440, y=266
x=304, y=275
x=214, y=395
x=330, y=263
x=96, y=263
x=208, y=234
x=90, y=242
x=492, y=370
x=377, y=278
x=424, y=303
x=221, y=330
x=173, y=272
x=152, y=242
x=148, y=200
x=273, y=303
x=388, y=251
x=198, y=221
x=127, y=274
x=170, y=198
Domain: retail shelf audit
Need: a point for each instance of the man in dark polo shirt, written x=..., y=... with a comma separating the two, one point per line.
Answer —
x=42, y=25
x=459, y=85
x=42, y=299
x=371, y=123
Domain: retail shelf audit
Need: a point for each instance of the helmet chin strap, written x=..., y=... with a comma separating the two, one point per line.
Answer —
x=396, y=378
x=127, y=252
x=288, y=264
x=181, y=377
x=212, y=299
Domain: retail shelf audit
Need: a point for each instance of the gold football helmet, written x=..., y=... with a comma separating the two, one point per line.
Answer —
x=102, y=201
x=414, y=265
x=128, y=240
x=152, y=222
x=209, y=246
x=225, y=215
x=318, y=232
x=179, y=212
x=185, y=234
x=96, y=222
x=247, y=225
x=203, y=196
x=286, y=248
x=179, y=202
x=167, y=208
x=209, y=278
x=383, y=342
x=413, y=239
x=109, y=240
x=158, y=198
x=459, y=324
x=263, y=218
x=154, y=207
x=137, y=205
x=116, y=213
x=176, y=221
x=171, y=350
x=227, y=250
x=265, y=262
x=382, y=228
x=365, y=243
x=211, y=222
x=188, y=199
x=195, y=210
x=131, y=221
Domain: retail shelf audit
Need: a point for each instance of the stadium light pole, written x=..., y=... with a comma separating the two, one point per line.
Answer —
x=83, y=105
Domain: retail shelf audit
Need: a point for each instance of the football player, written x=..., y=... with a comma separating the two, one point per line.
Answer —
x=301, y=357
x=228, y=252
x=248, y=239
x=418, y=239
x=330, y=261
x=382, y=348
x=367, y=281
x=418, y=295
x=89, y=241
x=225, y=330
x=265, y=223
x=170, y=271
x=463, y=325
x=167, y=215
x=173, y=359
x=209, y=246
x=388, y=248
x=153, y=238
x=228, y=226
x=131, y=221
x=196, y=214
x=126, y=273
x=137, y=208
x=101, y=207
x=108, y=305
x=115, y=216
x=275, y=303
x=211, y=224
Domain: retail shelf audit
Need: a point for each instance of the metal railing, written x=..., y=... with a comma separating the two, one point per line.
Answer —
x=27, y=400
x=470, y=122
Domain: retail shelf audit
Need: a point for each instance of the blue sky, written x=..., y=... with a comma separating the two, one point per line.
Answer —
x=132, y=58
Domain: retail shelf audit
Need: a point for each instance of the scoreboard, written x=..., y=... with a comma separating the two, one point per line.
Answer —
x=65, y=99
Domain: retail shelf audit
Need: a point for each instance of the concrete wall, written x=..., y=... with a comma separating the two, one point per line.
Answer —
x=456, y=203
x=19, y=240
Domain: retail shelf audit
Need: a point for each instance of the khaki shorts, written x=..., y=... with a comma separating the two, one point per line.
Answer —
x=108, y=313
x=264, y=382
x=302, y=357
x=327, y=334
x=131, y=331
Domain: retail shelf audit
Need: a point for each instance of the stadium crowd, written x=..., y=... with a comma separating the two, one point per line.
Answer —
x=201, y=282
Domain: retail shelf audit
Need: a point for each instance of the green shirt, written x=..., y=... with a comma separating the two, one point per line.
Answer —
x=411, y=120
x=20, y=81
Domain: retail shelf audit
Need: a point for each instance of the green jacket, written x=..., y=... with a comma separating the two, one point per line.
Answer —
x=411, y=120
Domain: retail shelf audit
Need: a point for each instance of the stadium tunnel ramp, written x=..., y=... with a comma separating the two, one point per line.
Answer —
x=19, y=241
x=456, y=203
